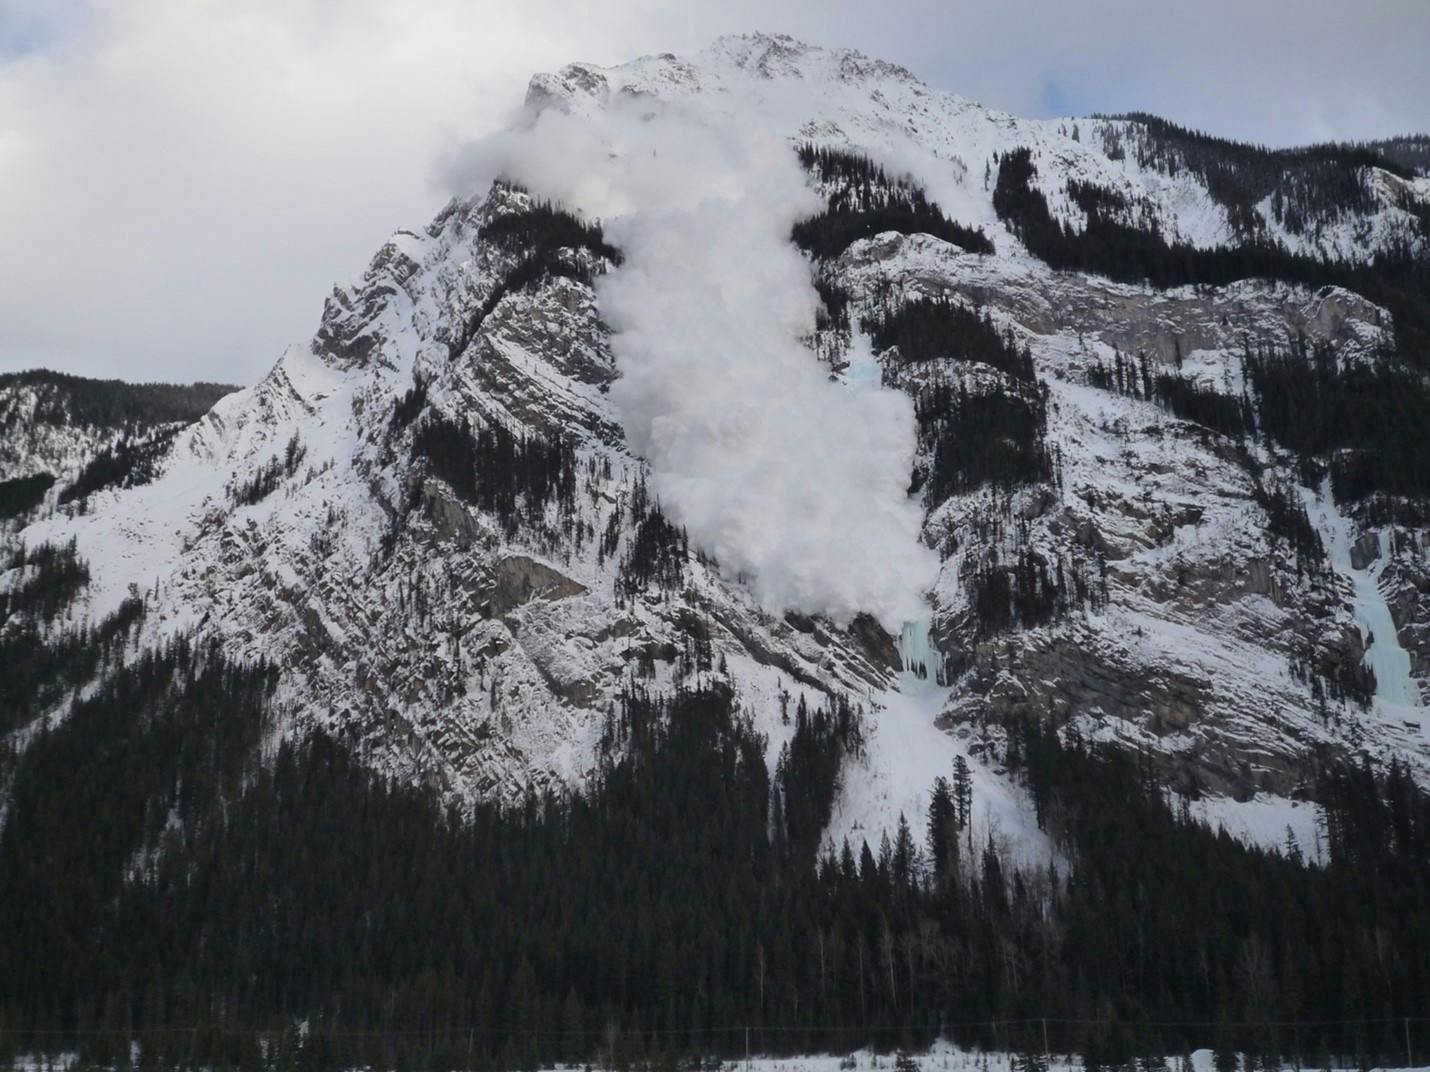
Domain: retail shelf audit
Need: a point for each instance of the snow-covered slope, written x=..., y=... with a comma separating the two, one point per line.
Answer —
x=479, y=649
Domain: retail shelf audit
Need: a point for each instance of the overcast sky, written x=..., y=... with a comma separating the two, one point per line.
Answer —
x=182, y=181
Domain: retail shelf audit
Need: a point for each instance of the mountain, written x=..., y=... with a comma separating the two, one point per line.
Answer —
x=767, y=450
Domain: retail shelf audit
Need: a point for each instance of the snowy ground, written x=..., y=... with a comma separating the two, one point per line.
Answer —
x=946, y=1058
x=1267, y=821
x=906, y=751
x=941, y=1058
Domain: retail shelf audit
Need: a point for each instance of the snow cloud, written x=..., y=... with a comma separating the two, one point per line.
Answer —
x=793, y=480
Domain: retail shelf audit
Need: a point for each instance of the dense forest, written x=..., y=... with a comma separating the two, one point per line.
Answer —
x=976, y=437
x=64, y=400
x=1411, y=151
x=544, y=227
x=171, y=879
x=924, y=329
x=1030, y=590
x=863, y=200
x=166, y=883
x=22, y=494
x=490, y=468
x=1203, y=405
x=1366, y=418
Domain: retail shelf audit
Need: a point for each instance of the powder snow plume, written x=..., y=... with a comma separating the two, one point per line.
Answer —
x=796, y=482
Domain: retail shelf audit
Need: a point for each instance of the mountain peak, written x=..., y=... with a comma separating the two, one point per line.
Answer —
x=733, y=64
x=775, y=56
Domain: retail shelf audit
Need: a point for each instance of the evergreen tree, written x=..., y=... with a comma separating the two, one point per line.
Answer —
x=943, y=828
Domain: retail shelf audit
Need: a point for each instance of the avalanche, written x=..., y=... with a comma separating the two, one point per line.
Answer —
x=794, y=481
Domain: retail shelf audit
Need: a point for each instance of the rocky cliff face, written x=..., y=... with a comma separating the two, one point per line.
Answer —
x=1215, y=646
x=469, y=623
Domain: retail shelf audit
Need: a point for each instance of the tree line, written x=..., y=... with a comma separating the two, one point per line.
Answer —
x=64, y=400
x=657, y=552
x=923, y=329
x=130, y=462
x=43, y=660
x=492, y=469
x=267, y=477
x=1236, y=418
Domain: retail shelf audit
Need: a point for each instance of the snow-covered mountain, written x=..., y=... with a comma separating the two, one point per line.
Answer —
x=532, y=456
